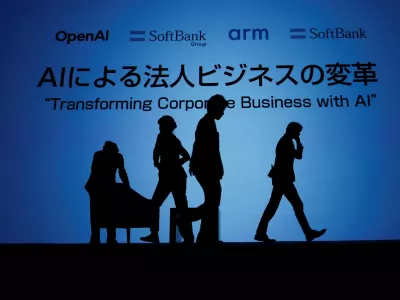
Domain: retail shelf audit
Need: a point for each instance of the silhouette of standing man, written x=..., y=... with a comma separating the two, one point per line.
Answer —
x=169, y=155
x=283, y=178
x=206, y=165
x=100, y=187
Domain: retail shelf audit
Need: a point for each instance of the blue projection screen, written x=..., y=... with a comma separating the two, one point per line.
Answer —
x=331, y=66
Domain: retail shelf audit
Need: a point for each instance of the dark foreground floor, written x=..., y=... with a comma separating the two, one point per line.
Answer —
x=325, y=270
x=227, y=257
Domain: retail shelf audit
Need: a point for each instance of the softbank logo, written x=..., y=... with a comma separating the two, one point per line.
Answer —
x=327, y=34
x=248, y=34
x=197, y=38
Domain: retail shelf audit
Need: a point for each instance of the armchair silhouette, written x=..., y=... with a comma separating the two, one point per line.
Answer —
x=128, y=209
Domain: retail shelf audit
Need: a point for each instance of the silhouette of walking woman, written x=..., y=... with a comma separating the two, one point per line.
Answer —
x=283, y=178
x=169, y=155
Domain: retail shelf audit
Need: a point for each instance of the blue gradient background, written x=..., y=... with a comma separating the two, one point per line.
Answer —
x=347, y=178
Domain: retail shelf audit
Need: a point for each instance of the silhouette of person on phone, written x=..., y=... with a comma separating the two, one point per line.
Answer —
x=283, y=178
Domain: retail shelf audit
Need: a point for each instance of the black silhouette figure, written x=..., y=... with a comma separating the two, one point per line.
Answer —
x=283, y=178
x=206, y=165
x=169, y=156
x=101, y=185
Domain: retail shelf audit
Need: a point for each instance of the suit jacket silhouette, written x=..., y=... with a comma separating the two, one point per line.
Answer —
x=286, y=153
x=206, y=157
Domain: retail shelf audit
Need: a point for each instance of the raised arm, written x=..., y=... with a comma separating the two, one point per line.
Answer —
x=298, y=152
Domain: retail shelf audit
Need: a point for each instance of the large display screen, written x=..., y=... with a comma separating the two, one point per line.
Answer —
x=76, y=74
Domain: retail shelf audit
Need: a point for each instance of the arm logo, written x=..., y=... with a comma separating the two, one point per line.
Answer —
x=248, y=34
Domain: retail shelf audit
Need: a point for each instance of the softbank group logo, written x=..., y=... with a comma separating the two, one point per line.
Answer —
x=194, y=39
x=327, y=34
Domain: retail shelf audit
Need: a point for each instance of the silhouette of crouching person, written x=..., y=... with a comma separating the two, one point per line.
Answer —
x=101, y=188
x=169, y=156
